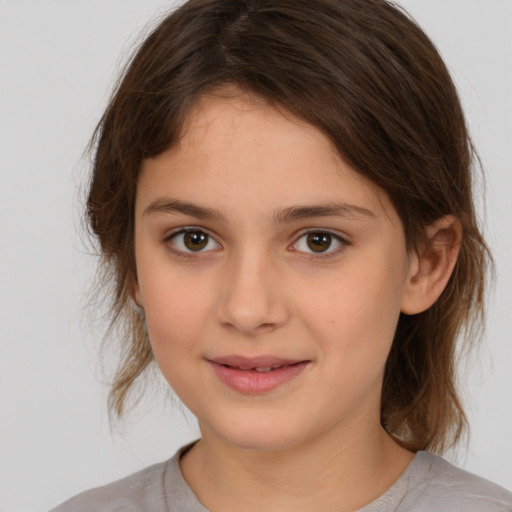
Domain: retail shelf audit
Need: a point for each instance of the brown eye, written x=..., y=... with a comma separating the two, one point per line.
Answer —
x=192, y=240
x=195, y=240
x=319, y=242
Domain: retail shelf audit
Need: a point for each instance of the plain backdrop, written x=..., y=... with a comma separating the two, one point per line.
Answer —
x=57, y=62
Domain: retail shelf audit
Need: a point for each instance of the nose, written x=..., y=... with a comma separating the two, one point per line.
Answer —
x=253, y=294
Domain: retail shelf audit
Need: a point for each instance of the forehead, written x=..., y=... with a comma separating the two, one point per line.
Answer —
x=226, y=117
x=240, y=151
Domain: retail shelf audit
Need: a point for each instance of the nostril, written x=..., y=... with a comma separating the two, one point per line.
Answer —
x=267, y=326
x=239, y=327
x=250, y=305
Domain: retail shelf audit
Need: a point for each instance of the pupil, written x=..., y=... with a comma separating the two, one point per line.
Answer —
x=196, y=240
x=319, y=242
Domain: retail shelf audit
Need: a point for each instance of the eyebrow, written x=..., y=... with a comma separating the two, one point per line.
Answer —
x=322, y=210
x=292, y=213
x=191, y=209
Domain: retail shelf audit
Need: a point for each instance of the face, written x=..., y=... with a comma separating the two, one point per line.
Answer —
x=271, y=274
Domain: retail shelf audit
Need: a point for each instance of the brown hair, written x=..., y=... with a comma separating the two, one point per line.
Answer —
x=363, y=73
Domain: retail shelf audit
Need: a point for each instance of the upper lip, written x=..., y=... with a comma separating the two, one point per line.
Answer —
x=248, y=363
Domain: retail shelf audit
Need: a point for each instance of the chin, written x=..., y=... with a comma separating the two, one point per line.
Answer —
x=261, y=435
x=261, y=444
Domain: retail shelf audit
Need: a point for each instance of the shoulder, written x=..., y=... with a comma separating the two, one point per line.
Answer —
x=158, y=488
x=440, y=485
x=141, y=491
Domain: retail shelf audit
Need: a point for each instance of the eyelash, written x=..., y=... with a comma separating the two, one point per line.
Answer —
x=168, y=240
x=328, y=253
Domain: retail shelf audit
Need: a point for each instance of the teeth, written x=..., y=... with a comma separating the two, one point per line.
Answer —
x=264, y=370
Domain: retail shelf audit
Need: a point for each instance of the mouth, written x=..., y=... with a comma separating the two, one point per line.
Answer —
x=256, y=375
x=261, y=369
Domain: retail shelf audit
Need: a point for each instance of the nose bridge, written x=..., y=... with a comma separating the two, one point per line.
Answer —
x=251, y=299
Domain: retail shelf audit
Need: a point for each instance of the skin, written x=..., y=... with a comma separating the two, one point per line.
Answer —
x=257, y=288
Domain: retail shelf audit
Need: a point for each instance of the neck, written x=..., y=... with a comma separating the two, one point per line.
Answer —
x=343, y=473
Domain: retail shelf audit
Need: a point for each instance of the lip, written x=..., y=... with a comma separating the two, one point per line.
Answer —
x=240, y=373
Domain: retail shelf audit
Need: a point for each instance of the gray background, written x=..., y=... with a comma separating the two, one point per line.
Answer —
x=57, y=62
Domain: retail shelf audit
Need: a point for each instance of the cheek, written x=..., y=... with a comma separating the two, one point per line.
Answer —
x=354, y=315
x=176, y=310
x=174, y=322
x=172, y=319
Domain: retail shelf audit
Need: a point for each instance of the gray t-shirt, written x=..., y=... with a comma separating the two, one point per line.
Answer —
x=429, y=484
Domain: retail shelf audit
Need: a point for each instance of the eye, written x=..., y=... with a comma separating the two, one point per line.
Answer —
x=192, y=240
x=319, y=242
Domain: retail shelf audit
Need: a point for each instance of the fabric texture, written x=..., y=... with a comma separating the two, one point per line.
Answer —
x=429, y=484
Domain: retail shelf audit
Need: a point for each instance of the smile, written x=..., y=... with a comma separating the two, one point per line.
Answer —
x=256, y=375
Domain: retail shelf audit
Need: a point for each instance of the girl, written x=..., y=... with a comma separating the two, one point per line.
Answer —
x=282, y=194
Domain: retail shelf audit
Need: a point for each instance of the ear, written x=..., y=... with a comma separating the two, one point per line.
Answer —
x=135, y=293
x=432, y=264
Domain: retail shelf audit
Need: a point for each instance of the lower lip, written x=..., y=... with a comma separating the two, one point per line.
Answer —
x=251, y=381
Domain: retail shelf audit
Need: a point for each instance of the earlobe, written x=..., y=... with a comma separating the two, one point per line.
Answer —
x=136, y=295
x=432, y=265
